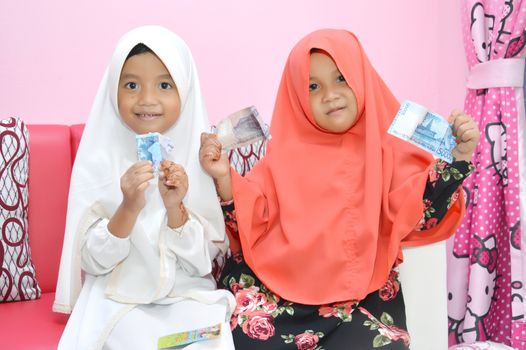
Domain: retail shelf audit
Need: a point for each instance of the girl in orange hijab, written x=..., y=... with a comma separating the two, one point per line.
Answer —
x=323, y=217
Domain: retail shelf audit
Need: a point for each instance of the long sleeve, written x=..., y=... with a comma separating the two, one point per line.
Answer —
x=442, y=190
x=191, y=249
x=101, y=251
x=229, y=215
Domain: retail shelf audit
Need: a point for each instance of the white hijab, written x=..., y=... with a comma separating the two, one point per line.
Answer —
x=107, y=149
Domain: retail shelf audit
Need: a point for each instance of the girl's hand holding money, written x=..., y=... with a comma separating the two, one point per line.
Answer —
x=133, y=184
x=173, y=185
x=467, y=134
x=216, y=164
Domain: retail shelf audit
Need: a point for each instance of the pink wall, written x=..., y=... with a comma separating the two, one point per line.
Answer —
x=53, y=53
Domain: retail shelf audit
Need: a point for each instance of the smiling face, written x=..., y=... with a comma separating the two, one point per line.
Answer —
x=147, y=95
x=332, y=102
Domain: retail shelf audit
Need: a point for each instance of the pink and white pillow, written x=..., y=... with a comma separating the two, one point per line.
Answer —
x=243, y=159
x=17, y=273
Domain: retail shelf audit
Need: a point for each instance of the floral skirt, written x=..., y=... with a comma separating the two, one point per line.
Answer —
x=263, y=320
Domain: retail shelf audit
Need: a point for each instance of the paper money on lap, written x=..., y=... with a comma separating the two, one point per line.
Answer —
x=179, y=340
x=427, y=130
x=241, y=129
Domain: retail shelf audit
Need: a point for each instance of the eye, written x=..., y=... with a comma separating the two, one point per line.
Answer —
x=165, y=86
x=313, y=86
x=340, y=78
x=131, y=85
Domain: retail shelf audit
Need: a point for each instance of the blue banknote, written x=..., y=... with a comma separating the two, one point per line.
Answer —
x=427, y=130
x=153, y=147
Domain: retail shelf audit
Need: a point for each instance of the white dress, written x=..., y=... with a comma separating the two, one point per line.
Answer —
x=125, y=293
x=98, y=322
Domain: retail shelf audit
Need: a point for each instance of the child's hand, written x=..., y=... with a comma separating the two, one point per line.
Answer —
x=173, y=184
x=467, y=133
x=214, y=162
x=133, y=184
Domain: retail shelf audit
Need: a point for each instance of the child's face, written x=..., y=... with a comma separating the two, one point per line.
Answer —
x=147, y=97
x=332, y=101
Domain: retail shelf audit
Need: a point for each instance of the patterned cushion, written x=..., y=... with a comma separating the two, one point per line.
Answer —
x=244, y=158
x=17, y=273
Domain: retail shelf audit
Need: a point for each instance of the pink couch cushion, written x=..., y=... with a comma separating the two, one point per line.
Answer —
x=17, y=274
x=31, y=324
x=76, y=134
x=49, y=175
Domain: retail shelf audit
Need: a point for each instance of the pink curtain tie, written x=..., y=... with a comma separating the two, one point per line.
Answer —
x=507, y=72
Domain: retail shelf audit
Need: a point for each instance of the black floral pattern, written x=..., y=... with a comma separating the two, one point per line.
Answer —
x=263, y=320
x=442, y=190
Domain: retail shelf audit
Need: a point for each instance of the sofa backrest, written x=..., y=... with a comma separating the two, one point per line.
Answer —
x=52, y=150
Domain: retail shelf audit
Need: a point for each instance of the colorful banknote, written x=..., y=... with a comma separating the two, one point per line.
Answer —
x=179, y=340
x=427, y=130
x=241, y=129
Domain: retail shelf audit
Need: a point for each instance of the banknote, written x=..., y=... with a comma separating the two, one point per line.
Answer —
x=154, y=147
x=178, y=340
x=241, y=128
x=425, y=129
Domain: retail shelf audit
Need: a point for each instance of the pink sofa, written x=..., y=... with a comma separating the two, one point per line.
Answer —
x=31, y=325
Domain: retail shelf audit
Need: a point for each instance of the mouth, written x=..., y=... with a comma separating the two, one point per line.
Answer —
x=335, y=111
x=148, y=116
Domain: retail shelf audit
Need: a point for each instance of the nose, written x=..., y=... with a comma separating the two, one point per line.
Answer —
x=147, y=97
x=330, y=95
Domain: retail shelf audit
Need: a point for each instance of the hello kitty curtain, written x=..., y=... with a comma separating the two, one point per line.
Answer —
x=486, y=259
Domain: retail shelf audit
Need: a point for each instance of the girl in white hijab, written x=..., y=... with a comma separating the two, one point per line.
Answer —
x=138, y=251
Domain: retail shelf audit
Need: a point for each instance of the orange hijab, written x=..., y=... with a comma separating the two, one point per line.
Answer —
x=322, y=216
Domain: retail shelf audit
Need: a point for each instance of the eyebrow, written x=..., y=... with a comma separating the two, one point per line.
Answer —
x=133, y=76
x=334, y=71
x=128, y=76
x=165, y=76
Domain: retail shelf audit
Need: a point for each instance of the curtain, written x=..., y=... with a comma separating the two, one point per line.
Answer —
x=486, y=259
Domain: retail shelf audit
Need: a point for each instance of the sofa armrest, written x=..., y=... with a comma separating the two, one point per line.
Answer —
x=424, y=284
